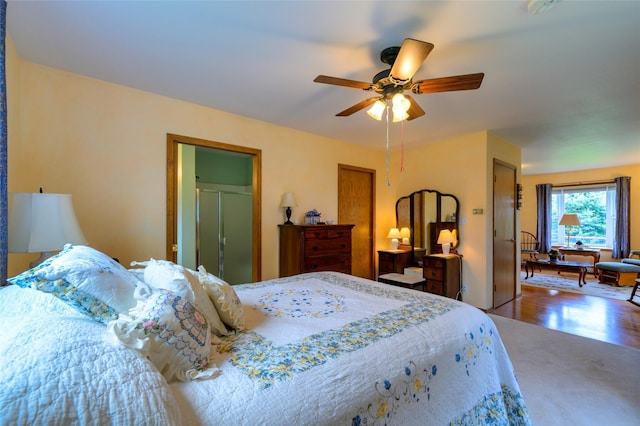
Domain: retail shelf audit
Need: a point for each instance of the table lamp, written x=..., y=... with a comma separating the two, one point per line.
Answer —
x=42, y=223
x=288, y=201
x=569, y=220
x=394, y=234
x=445, y=238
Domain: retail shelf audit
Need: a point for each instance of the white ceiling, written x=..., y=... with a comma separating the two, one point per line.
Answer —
x=564, y=84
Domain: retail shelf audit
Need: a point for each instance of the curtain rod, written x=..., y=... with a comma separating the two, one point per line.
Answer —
x=593, y=182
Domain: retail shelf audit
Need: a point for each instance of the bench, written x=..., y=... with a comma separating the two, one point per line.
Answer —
x=617, y=273
x=409, y=281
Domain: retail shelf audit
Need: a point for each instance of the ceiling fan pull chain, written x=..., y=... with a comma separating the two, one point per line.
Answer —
x=402, y=146
x=387, y=159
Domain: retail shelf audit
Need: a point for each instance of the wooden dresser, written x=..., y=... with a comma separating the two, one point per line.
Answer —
x=442, y=273
x=313, y=248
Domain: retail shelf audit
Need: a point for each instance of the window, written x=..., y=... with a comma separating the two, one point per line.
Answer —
x=595, y=205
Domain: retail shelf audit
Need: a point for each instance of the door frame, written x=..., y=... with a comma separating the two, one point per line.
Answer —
x=172, y=195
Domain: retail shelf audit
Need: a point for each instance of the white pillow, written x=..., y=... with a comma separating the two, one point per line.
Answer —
x=163, y=274
x=224, y=299
x=171, y=333
x=85, y=278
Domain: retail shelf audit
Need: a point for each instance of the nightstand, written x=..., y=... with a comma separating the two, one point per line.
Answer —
x=442, y=272
x=394, y=261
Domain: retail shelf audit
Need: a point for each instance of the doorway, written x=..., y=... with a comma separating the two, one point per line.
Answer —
x=182, y=152
x=356, y=202
x=505, y=272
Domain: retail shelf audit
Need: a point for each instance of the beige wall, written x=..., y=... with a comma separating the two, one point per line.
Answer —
x=106, y=145
x=462, y=166
x=529, y=218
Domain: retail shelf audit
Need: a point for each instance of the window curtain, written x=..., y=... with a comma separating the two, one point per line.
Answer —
x=622, y=239
x=4, y=231
x=543, y=230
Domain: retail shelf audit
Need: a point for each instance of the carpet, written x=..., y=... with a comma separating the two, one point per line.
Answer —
x=571, y=380
x=569, y=282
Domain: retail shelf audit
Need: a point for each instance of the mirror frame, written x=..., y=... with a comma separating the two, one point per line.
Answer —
x=172, y=195
x=414, y=221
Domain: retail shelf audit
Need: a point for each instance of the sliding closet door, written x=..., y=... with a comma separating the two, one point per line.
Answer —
x=208, y=230
x=236, y=237
x=224, y=231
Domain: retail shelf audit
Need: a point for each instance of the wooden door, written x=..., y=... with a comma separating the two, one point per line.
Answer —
x=505, y=273
x=356, y=201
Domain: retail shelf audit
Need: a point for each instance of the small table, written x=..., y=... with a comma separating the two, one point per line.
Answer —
x=595, y=253
x=580, y=268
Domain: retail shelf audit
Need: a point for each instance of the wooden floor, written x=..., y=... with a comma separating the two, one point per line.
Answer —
x=608, y=320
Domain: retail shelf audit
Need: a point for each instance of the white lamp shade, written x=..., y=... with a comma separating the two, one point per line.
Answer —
x=376, y=110
x=42, y=222
x=445, y=237
x=570, y=219
x=394, y=233
x=288, y=200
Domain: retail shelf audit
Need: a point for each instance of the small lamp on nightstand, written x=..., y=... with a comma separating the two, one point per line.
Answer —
x=445, y=238
x=394, y=234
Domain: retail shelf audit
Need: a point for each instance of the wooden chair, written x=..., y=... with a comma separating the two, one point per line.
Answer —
x=529, y=245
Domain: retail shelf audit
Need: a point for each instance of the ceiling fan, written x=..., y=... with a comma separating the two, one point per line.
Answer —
x=404, y=62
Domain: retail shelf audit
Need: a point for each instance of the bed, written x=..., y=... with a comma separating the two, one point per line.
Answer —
x=321, y=348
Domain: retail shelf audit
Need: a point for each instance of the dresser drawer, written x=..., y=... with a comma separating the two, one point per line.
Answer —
x=385, y=266
x=322, y=233
x=435, y=287
x=431, y=273
x=339, y=263
x=315, y=247
x=433, y=263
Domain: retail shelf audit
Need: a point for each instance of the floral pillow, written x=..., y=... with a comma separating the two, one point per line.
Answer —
x=86, y=279
x=171, y=333
x=163, y=274
x=224, y=298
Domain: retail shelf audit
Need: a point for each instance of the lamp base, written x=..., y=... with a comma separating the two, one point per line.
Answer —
x=288, y=212
x=446, y=248
x=394, y=244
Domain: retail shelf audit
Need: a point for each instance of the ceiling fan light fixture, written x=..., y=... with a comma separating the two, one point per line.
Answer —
x=400, y=107
x=399, y=114
x=376, y=110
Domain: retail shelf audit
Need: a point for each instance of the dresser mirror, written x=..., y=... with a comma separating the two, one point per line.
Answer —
x=426, y=213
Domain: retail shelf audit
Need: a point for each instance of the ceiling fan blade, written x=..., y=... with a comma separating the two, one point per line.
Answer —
x=357, y=107
x=342, y=82
x=449, y=84
x=414, y=110
x=412, y=54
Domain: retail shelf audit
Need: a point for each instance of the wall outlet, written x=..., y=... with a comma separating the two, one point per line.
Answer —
x=464, y=288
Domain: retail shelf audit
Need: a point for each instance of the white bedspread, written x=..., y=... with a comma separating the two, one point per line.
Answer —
x=329, y=348
x=59, y=367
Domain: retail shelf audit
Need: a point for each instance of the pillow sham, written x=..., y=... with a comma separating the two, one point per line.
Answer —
x=163, y=274
x=171, y=333
x=85, y=278
x=224, y=298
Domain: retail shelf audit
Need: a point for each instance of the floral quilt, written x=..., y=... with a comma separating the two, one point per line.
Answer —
x=329, y=348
